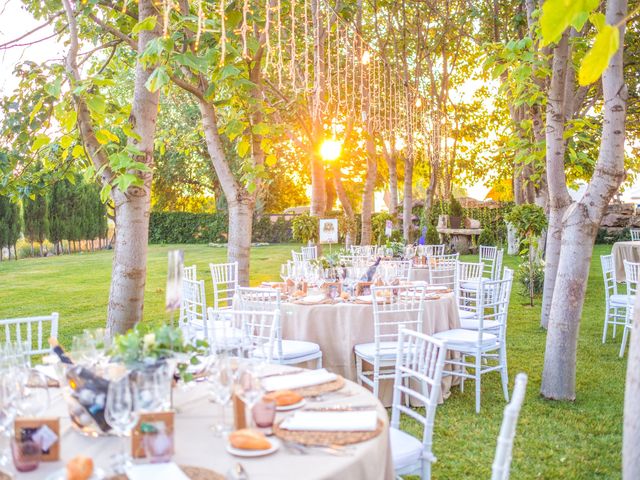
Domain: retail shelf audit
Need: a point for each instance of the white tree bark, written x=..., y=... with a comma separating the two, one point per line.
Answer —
x=407, y=202
x=631, y=428
x=579, y=228
x=128, y=277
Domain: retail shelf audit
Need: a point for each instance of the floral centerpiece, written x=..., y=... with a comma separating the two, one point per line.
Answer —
x=148, y=345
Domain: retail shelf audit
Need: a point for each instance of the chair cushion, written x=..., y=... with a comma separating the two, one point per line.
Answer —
x=388, y=350
x=462, y=339
x=406, y=450
x=619, y=299
x=473, y=324
x=293, y=349
x=466, y=313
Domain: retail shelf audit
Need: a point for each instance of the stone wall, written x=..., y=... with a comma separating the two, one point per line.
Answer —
x=620, y=216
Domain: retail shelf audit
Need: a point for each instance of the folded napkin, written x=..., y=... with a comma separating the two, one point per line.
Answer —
x=365, y=421
x=156, y=471
x=307, y=378
x=312, y=299
x=437, y=288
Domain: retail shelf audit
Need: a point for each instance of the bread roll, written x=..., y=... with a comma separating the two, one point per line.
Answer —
x=284, y=398
x=79, y=468
x=246, y=439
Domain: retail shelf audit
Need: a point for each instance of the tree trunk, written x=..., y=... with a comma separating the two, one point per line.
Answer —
x=631, y=428
x=407, y=205
x=580, y=226
x=559, y=198
x=368, y=194
x=341, y=192
x=240, y=226
x=318, y=189
x=392, y=163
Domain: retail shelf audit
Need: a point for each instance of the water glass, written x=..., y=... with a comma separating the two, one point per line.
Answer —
x=121, y=414
x=33, y=400
x=26, y=455
x=264, y=413
x=220, y=381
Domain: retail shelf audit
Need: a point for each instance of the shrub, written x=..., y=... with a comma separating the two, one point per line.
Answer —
x=487, y=237
x=527, y=273
x=305, y=228
x=264, y=230
x=455, y=209
x=187, y=227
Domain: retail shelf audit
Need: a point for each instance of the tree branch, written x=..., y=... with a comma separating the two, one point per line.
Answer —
x=115, y=32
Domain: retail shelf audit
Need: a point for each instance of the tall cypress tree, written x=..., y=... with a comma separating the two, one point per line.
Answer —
x=59, y=214
x=36, y=221
x=10, y=225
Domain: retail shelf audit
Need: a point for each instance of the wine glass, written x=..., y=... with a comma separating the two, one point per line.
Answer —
x=220, y=380
x=33, y=399
x=147, y=391
x=8, y=411
x=121, y=414
x=83, y=348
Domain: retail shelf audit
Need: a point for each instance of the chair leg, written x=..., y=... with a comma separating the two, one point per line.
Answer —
x=504, y=374
x=478, y=377
x=462, y=379
x=426, y=470
x=606, y=324
x=376, y=379
x=319, y=362
x=624, y=340
x=359, y=370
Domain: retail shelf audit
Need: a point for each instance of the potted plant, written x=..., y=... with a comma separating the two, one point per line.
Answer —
x=456, y=214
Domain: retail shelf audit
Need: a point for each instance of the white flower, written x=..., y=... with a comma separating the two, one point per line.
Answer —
x=148, y=341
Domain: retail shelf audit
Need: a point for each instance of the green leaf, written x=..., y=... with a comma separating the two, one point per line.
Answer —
x=40, y=141
x=148, y=23
x=105, y=192
x=229, y=71
x=261, y=129
x=66, y=141
x=597, y=59
x=53, y=88
x=124, y=181
x=35, y=110
x=97, y=104
x=188, y=59
x=68, y=121
x=129, y=132
x=271, y=160
x=243, y=147
x=557, y=15
x=158, y=79
x=597, y=20
x=104, y=136
x=77, y=151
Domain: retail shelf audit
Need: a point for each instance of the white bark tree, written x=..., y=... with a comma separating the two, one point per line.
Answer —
x=132, y=206
x=580, y=220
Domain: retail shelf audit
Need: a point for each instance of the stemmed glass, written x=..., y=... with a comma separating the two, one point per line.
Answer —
x=33, y=400
x=148, y=392
x=8, y=410
x=122, y=415
x=220, y=381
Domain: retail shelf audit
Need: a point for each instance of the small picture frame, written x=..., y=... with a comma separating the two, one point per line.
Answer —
x=139, y=432
x=45, y=431
x=363, y=288
x=332, y=289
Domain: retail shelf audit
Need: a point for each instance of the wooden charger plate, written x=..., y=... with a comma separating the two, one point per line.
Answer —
x=194, y=473
x=315, y=390
x=326, y=438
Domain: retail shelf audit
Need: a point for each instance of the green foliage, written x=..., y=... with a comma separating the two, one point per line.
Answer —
x=378, y=226
x=432, y=237
x=264, y=230
x=530, y=276
x=36, y=220
x=186, y=227
x=455, y=209
x=305, y=228
x=10, y=222
x=528, y=219
x=597, y=59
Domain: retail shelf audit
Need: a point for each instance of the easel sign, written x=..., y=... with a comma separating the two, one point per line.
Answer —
x=328, y=230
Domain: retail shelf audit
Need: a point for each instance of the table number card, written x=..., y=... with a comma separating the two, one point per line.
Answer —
x=44, y=431
x=149, y=424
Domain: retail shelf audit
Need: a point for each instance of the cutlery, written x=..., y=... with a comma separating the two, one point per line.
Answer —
x=329, y=395
x=280, y=374
x=341, y=408
x=303, y=449
x=237, y=473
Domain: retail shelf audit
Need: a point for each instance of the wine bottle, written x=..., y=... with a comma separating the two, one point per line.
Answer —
x=87, y=388
x=371, y=271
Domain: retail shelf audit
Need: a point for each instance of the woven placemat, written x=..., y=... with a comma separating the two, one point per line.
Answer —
x=194, y=473
x=315, y=390
x=326, y=438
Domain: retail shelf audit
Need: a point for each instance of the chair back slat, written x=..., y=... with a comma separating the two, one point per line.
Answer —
x=635, y=234
x=400, y=269
x=264, y=299
x=194, y=308
x=225, y=282
x=609, y=276
x=189, y=273
x=430, y=250
x=260, y=330
x=418, y=375
x=309, y=253
x=501, y=467
x=443, y=270
x=488, y=256
x=396, y=306
x=31, y=332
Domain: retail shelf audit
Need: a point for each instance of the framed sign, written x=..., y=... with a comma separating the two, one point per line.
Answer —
x=329, y=230
x=388, y=228
x=44, y=431
x=152, y=424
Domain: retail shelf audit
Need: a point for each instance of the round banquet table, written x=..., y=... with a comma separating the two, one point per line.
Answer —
x=419, y=273
x=196, y=445
x=622, y=251
x=338, y=327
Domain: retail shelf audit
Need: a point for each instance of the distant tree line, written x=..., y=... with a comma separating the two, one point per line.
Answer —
x=69, y=215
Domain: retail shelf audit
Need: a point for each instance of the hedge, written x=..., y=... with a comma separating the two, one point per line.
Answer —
x=186, y=227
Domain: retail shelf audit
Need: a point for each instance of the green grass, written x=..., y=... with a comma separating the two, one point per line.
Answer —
x=578, y=440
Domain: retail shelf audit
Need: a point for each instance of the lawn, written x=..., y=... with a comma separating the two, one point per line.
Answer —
x=579, y=440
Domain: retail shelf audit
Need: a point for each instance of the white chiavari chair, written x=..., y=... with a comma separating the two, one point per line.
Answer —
x=418, y=376
x=615, y=304
x=189, y=273
x=309, y=253
x=486, y=344
x=363, y=250
x=443, y=270
x=225, y=282
x=396, y=269
x=298, y=257
x=635, y=234
x=193, y=312
x=469, y=276
x=31, y=333
x=251, y=298
x=501, y=467
x=632, y=274
x=393, y=307
x=489, y=258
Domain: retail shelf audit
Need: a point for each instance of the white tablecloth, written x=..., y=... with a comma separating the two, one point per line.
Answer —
x=196, y=444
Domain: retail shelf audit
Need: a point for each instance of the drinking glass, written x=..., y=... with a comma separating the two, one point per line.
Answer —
x=249, y=388
x=83, y=349
x=264, y=413
x=220, y=381
x=284, y=271
x=33, y=400
x=8, y=411
x=147, y=390
x=26, y=455
x=121, y=414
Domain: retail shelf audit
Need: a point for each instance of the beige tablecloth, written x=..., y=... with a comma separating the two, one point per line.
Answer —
x=196, y=444
x=419, y=272
x=622, y=251
x=338, y=328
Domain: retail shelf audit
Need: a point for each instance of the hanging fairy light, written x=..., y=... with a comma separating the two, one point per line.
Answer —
x=223, y=33
x=418, y=102
x=366, y=57
x=200, y=21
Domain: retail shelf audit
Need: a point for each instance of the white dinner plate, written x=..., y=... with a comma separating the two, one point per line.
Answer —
x=275, y=445
x=293, y=406
x=437, y=288
x=98, y=474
